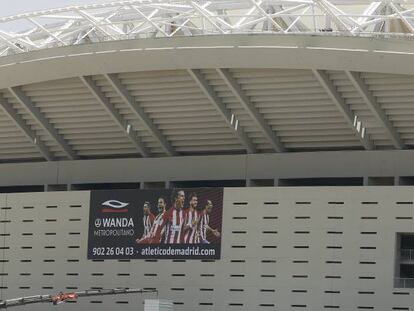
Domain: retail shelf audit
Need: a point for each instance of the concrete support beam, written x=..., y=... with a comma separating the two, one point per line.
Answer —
x=26, y=130
x=130, y=101
x=118, y=119
x=221, y=108
x=348, y=115
x=375, y=108
x=256, y=116
x=43, y=122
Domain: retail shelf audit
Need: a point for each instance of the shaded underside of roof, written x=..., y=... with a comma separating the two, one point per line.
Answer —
x=148, y=111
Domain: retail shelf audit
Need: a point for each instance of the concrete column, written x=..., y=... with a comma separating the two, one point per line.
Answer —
x=397, y=181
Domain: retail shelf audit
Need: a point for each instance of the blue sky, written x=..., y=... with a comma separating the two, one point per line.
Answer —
x=12, y=7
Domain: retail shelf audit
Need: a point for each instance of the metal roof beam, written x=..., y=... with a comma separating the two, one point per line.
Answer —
x=140, y=113
x=221, y=108
x=154, y=18
x=96, y=23
x=201, y=9
x=119, y=120
x=349, y=116
x=268, y=16
x=251, y=110
x=376, y=109
x=44, y=123
x=150, y=20
x=397, y=7
x=27, y=131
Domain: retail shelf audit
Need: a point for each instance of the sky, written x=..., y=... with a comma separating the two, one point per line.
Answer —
x=13, y=7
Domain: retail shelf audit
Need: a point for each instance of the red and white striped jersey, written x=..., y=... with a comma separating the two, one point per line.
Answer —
x=156, y=230
x=148, y=220
x=174, y=220
x=204, y=222
x=190, y=236
x=155, y=233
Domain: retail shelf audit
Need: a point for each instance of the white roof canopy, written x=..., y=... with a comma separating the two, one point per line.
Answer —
x=121, y=20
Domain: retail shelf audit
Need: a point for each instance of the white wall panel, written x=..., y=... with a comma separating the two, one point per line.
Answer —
x=4, y=209
x=282, y=248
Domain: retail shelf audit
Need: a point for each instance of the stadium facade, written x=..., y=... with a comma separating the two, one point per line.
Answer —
x=272, y=100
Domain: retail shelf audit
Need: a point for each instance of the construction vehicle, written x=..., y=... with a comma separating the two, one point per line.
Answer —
x=65, y=297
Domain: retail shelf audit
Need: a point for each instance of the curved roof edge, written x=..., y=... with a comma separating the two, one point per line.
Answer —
x=241, y=51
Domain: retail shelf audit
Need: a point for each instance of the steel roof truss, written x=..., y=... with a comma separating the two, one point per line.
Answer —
x=269, y=18
x=96, y=23
x=150, y=20
x=52, y=35
x=107, y=20
x=404, y=18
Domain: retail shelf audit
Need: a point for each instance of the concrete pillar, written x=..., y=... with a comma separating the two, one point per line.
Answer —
x=397, y=181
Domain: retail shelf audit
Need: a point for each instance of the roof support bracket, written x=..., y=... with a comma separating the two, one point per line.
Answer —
x=376, y=109
x=43, y=122
x=221, y=108
x=131, y=102
x=27, y=131
x=251, y=110
x=119, y=120
x=348, y=115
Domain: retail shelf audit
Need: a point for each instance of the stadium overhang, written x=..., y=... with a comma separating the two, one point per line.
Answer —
x=394, y=56
x=154, y=79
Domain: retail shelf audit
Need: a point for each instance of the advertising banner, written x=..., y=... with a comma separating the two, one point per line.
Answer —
x=155, y=224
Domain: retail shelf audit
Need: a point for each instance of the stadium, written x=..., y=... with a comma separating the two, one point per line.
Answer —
x=229, y=155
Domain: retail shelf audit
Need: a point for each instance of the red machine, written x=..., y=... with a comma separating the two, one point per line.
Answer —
x=64, y=297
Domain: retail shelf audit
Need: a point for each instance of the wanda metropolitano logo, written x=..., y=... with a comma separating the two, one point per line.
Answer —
x=114, y=206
